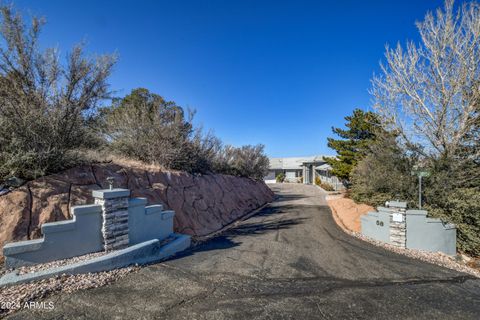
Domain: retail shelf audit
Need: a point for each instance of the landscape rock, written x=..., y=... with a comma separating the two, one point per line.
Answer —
x=50, y=199
x=15, y=210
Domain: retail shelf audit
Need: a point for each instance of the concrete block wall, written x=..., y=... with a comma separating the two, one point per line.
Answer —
x=146, y=223
x=93, y=229
x=430, y=234
x=376, y=225
x=409, y=229
x=61, y=240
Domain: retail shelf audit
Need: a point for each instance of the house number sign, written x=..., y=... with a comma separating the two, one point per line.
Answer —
x=397, y=217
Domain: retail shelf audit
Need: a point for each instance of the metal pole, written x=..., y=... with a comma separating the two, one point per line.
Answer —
x=420, y=191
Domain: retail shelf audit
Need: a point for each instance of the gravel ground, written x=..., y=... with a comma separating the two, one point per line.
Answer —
x=58, y=263
x=437, y=258
x=13, y=298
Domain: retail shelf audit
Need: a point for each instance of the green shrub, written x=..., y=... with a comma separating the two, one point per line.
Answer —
x=452, y=193
x=280, y=178
x=318, y=181
x=462, y=208
x=384, y=174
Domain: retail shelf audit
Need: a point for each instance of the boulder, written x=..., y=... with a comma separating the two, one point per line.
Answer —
x=15, y=208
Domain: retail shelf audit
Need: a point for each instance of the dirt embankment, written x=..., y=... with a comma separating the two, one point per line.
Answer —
x=347, y=212
x=203, y=203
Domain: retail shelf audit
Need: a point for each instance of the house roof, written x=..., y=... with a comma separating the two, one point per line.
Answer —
x=293, y=162
x=324, y=166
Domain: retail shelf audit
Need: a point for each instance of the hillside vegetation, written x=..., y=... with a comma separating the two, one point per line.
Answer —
x=427, y=119
x=52, y=114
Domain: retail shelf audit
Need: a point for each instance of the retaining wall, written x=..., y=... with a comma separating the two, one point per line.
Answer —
x=202, y=203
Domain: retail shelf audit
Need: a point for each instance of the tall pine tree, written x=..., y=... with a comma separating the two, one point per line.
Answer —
x=361, y=131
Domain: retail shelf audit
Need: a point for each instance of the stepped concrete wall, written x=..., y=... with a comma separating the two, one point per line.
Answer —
x=430, y=234
x=88, y=231
x=63, y=239
x=409, y=229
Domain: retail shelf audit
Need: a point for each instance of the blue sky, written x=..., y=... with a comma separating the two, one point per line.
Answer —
x=281, y=73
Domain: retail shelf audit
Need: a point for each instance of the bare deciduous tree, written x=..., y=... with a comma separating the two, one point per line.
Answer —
x=430, y=91
x=430, y=94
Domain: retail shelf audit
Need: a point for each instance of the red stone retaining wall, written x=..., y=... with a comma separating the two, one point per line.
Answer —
x=203, y=203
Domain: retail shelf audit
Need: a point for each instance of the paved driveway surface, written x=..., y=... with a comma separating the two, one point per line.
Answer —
x=290, y=261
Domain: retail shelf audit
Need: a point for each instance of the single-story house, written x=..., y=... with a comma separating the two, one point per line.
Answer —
x=303, y=170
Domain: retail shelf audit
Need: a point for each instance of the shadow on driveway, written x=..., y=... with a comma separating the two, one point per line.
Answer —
x=261, y=223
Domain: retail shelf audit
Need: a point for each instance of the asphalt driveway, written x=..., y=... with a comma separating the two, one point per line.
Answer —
x=290, y=261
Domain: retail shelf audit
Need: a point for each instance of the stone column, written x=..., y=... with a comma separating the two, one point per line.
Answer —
x=114, y=204
x=398, y=226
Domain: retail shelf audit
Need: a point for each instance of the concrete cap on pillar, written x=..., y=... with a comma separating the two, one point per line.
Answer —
x=111, y=193
x=396, y=204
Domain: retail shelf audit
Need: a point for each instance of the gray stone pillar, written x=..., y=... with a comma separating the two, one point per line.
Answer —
x=398, y=226
x=114, y=204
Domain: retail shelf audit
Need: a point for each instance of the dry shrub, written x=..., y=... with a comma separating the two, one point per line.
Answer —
x=45, y=105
